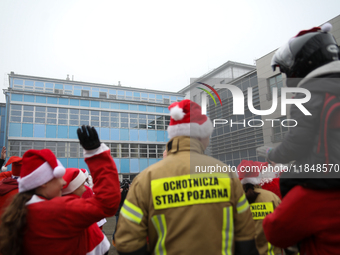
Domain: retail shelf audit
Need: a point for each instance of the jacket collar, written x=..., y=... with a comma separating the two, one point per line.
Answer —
x=332, y=67
x=184, y=143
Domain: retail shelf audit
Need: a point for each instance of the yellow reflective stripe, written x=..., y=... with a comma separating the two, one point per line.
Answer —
x=242, y=204
x=131, y=212
x=133, y=207
x=270, y=249
x=227, y=231
x=160, y=226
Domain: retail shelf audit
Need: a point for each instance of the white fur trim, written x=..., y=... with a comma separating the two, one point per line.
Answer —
x=251, y=180
x=101, y=248
x=176, y=113
x=34, y=199
x=191, y=129
x=326, y=27
x=101, y=222
x=38, y=177
x=100, y=149
x=266, y=176
x=75, y=183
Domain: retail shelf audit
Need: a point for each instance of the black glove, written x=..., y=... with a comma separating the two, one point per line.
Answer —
x=88, y=137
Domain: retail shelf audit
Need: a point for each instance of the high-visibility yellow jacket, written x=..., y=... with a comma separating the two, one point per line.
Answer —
x=182, y=213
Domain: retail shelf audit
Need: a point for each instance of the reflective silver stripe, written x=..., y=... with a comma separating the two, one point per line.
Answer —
x=239, y=204
x=242, y=204
x=137, y=214
x=160, y=225
x=270, y=249
x=227, y=231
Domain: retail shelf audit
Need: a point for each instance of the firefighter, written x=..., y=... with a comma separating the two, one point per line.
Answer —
x=182, y=211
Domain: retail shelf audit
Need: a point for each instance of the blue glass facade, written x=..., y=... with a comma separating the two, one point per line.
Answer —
x=45, y=113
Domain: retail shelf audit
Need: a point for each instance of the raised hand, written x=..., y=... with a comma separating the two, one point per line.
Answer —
x=88, y=137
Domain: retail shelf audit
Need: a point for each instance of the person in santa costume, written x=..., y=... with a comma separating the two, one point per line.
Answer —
x=310, y=206
x=253, y=175
x=97, y=243
x=89, y=193
x=182, y=212
x=9, y=185
x=40, y=221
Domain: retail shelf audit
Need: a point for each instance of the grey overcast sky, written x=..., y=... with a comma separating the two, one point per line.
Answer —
x=149, y=44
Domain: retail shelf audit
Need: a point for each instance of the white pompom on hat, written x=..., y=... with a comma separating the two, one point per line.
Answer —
x=39, y=167
x=186, y=119
x=74, y=177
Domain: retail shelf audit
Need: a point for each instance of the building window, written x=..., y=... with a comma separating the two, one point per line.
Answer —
x=279, y=131
x=74, y=117
x=151, y=121
x=74, y=150
x=124, y=120
x=85, y=93
x=84, y=117
x=274, y=82
x=63, y=116
x=52, y=115
x=95, y=118
x=58, y=91
x=40, y=114
x=105, y=119
x=16, y=113
x=114, y=119
x=133, y=120
x=102, y=95
x=28, y=114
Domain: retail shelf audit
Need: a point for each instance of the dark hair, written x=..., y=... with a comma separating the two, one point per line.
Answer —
x=251, y=195
x=13, y=224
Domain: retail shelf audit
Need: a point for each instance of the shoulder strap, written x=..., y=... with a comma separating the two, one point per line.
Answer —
x=331, y=104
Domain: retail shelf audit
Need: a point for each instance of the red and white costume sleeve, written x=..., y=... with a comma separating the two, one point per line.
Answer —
x=4, y=175
x=306, y=217
x=59, y=226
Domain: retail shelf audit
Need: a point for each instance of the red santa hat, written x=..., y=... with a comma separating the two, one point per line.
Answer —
x=258, y=173
x=74, y=177
x=327, y=27
x=249, y=172
x=16, y=165
x=255, y=172
x=39, y=167
x=186, y=119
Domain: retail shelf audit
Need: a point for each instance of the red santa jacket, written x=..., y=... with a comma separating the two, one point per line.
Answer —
x=58, y=226
x=308, y=217
x=97, y=243
x=4, y=175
